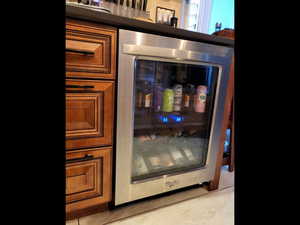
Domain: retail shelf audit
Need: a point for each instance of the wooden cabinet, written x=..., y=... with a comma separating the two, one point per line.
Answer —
x=90, y=50
x=90, y=73
x=88, y=177
x=227, y=121
x=89, y=113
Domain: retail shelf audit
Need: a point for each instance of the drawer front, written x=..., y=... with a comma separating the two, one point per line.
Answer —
x=83, y=180
x=89, y=113
x=90, y=50
x=88, y=175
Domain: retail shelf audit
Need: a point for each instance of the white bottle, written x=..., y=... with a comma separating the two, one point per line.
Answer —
x=177, y=97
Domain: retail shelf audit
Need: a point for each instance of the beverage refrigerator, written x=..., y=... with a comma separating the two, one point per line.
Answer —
x=171, y=95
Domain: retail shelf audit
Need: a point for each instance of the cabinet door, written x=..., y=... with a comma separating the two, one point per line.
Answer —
x=89, y=113
x=90, y=50
x=88, y=178
x=83, y=179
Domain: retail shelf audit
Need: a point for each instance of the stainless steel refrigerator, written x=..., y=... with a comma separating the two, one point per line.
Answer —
x=171, y=96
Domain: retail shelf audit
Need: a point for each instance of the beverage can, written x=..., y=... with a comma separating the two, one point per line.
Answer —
x=168, y=100
x=200, y=98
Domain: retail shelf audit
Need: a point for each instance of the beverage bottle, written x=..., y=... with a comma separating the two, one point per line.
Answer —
x=181, y=74
x=188, y=96
x=168, y=100
x=139, y=98
x=147, y=96
x=177, y=97
x=218, y=27
x=200, y=98
x=158, y=94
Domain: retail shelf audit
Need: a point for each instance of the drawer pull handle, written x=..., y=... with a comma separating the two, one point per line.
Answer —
x=85, y=158
x=84, y=52
x=80, y=86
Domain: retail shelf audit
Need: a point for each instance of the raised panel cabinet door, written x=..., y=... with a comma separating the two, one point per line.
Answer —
x=83, y=179
x=88, y=178
x=90, y=50
x=89, y=113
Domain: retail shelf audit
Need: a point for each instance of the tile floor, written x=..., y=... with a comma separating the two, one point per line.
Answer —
x=214, y=208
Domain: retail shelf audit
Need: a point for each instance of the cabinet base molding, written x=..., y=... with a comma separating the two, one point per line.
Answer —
x=87, y=211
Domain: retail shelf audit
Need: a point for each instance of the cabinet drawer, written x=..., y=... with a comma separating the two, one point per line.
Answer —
x=90, y=50
x=89, y=113
x=88, y=177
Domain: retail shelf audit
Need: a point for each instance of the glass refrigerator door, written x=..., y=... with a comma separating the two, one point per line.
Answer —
x=172, y=117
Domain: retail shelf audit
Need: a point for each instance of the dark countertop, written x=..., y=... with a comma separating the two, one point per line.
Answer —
x=147, y=27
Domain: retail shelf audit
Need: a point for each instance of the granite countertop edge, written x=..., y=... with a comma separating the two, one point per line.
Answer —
x=142, y=26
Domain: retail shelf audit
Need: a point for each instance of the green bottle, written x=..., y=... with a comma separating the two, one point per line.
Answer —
x=168, y=100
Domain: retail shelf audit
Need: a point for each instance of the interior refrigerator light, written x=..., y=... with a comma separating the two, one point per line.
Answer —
x=164, y=119
x=176, y=118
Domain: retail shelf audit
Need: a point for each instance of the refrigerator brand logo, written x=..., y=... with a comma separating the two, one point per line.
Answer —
x=170, y=184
